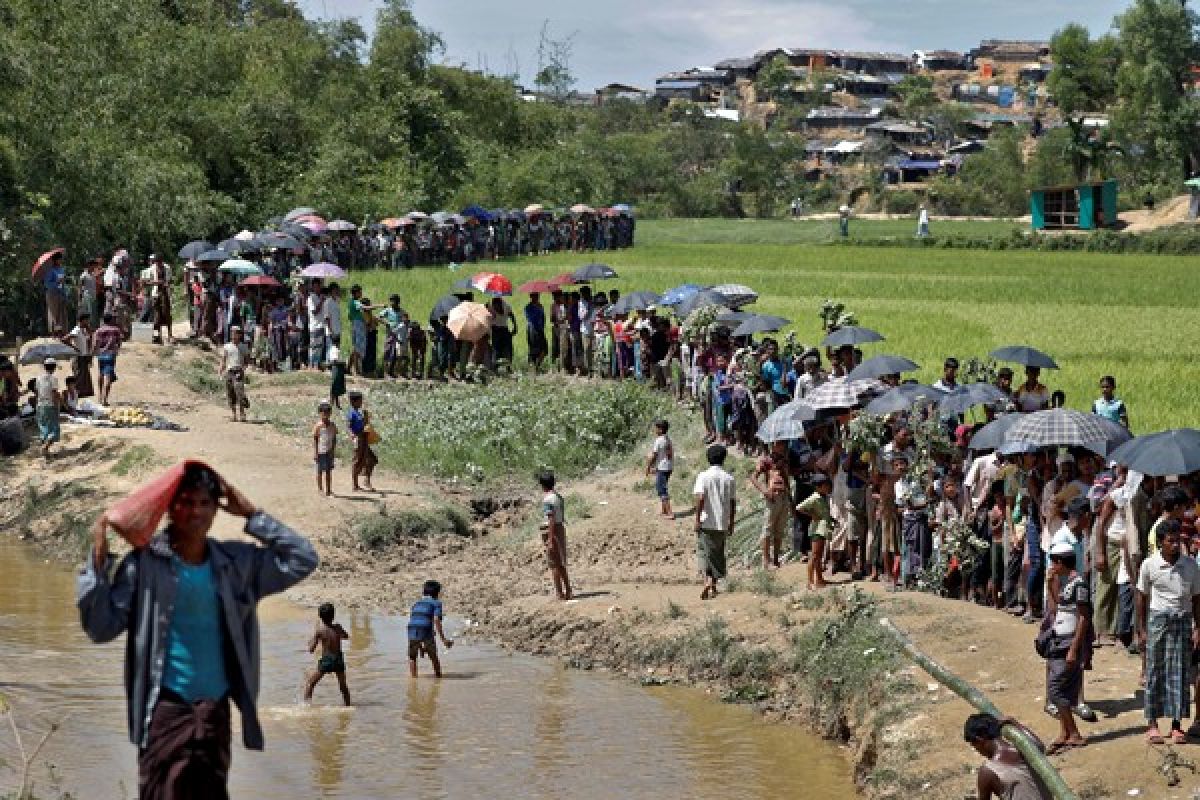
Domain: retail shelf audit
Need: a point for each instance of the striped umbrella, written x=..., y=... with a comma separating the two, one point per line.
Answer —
x=735, y=294
x=842, y=393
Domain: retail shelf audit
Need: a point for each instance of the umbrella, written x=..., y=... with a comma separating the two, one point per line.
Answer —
x=39, y=266
x=580, y=208
x=301, y=211
x=1058, y=426
x=297, y=230
x=283, y=241
x=1019, y=354
x=395, y=222
x=700, y=300
x=851, y=335
x=262, y=280
x=594, y=272
x=463, y=285
x=342, y=226
x=672, y=297
x=634, y=301
x=234, y=246
x=478, y=212
x=992, y=436
x=841, y=393
x=440, y=217
x=623, y=208
x=902, y=398
x=785, y=423
x=443, y=307
x=1173, y=452
x=761, y=324
x=1115, y=436
x=799, y=410
x=39, y=350
x=238, y=266
x=492, y=284
x=213, y=257
x=244, y=235
x=964, y=397
x=1017, y=448
x=736, y=317
x=534, y=208
x=565, y=279
x=537, y=287
x=736, y=294
x=313, y=224
x=879, y=366
x=191, y=250
x=456, y=219
x=323, y=269
x=470, y=322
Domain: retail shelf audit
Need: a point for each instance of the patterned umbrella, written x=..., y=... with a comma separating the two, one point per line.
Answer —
x=323, y=269
x=675, y=296
x=1020, y=354
x=492, y=284
x=1058, y=426
x=1173, y=452
x=1115, y=436
x=312, y=223
x=902, y=398
x=240, y=267
x=851, y=335
x=841, y=393
x=879, y=366
x=594, y=272
x=635, y=301
x=780, y=427
x=192, y=249
x=470, y=322
x=735, y=294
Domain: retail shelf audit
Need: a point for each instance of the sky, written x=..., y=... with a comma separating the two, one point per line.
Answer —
x=635, y=41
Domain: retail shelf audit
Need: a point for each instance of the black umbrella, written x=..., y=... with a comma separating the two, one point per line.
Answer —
x=851, y=335
x=963, y=398
x=635, y=301
x=463, y=285
x=1173, y=452
x=594, y=272
x=238, y=246
x=296, y=230
x=700, y=300
x=192, y=249
x=992, y=435
x=761, y=323
x=1019, y=354
x=283, y=241
x=443, y=307
x=903, y=397
x=1115, y=436
x=882, y=365
x=37, y=352
x=213, y=257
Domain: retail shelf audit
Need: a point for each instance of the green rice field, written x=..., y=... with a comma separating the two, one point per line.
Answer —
x=1132, y=316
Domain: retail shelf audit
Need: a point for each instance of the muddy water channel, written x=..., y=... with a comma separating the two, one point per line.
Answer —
x=497, y=726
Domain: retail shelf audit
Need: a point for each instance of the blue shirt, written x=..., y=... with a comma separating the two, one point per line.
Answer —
x=52, y=279
x=195, y=657
x=1111, y=411
x=355, y=421
x=421, y=617
x=724, y=396
x=535, y=317
x=772, y=373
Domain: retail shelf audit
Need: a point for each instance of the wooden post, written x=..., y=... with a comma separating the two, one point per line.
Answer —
x=1033, y=755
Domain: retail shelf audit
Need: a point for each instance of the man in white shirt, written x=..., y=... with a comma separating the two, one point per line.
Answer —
x=979, y=480
x=318, y=325
x=716, y=508
x=233, y=369
x=1168, y=599
x=949, y=380
x=48, y=403
x=333, y=311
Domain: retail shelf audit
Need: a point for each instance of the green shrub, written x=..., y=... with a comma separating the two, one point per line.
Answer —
x=383, y=529
x=902, y=202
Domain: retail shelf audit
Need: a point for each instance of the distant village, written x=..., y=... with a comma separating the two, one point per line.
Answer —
x=853, y=117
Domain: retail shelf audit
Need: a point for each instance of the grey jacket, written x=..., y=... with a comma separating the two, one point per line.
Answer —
x=139, y=597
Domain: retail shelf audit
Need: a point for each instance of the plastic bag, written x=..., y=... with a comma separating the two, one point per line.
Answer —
x=137, y=516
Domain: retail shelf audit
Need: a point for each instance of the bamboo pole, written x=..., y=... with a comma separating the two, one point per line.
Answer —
x=1014, y=735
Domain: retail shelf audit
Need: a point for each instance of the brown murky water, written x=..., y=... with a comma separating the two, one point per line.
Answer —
x=497, y=726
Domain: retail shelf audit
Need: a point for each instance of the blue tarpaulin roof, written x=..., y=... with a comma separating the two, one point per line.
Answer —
x=912, y=164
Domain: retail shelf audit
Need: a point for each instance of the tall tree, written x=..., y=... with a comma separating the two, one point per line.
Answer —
x=1084, y=74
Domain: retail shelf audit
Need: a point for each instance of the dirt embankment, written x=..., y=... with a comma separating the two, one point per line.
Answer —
x=813, y=657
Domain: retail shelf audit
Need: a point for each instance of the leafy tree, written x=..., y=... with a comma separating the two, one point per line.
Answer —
x=774, y=80
x=916, y=95
x=1084, y=73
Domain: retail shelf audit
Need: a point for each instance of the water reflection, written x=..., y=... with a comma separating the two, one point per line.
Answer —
x=497, y=726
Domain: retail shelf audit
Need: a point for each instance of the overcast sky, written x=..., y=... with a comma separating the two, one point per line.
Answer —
x=634, y=41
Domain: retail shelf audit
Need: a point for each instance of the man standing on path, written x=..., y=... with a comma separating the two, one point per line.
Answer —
x=923, y=223
x=160, y=295
x=1168, y=600
x=535, y=331
x=716, y=509
x=53, y=282
x=189, y=604
x=106, y=345
x=233, y=369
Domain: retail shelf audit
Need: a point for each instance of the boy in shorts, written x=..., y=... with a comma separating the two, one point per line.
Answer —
x=329, y=636
x=324, y=441
x=816, y=508
x=660, y=463
x=424, y=620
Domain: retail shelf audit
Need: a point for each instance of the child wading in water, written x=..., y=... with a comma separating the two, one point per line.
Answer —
x=424, y=620
x=554, y=536
x=324, y=441
x=661, y=462
x=329, y=636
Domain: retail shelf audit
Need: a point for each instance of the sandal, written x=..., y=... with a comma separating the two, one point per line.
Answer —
x=1178, y=737
x=1153, y=736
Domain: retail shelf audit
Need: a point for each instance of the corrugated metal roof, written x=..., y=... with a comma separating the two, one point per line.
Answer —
x=678, y=85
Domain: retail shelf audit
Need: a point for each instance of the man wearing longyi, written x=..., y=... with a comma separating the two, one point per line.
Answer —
x=188, y=602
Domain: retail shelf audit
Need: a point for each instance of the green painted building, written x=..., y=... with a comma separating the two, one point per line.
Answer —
x=1085, y=207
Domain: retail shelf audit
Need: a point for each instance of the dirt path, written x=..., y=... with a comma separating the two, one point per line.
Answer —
x=633, y=572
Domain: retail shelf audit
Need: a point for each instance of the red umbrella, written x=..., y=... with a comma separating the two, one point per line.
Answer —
x=538, y=287
x=566, y=279
x=261, y=280
x=39, y=266
x=493, y=284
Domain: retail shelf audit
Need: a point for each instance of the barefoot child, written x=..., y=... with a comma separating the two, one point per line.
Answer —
x=816, y=508
x=329, y=636
x=554, y=536
x=661, y=461
x=424, y=620
x=324, y=441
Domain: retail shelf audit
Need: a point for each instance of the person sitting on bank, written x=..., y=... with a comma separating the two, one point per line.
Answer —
x=1005, y=775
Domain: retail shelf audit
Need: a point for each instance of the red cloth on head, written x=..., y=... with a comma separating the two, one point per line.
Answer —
x=137, y=516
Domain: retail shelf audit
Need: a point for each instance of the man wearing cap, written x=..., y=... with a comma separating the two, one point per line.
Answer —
x=49, y=401
x=1074, y=533
x=1068, y=631
x=234, y=356
x=1168, y=600
x=949, y=380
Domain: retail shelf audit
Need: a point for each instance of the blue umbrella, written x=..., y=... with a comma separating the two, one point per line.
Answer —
x=479, y=213
x=673, y=297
